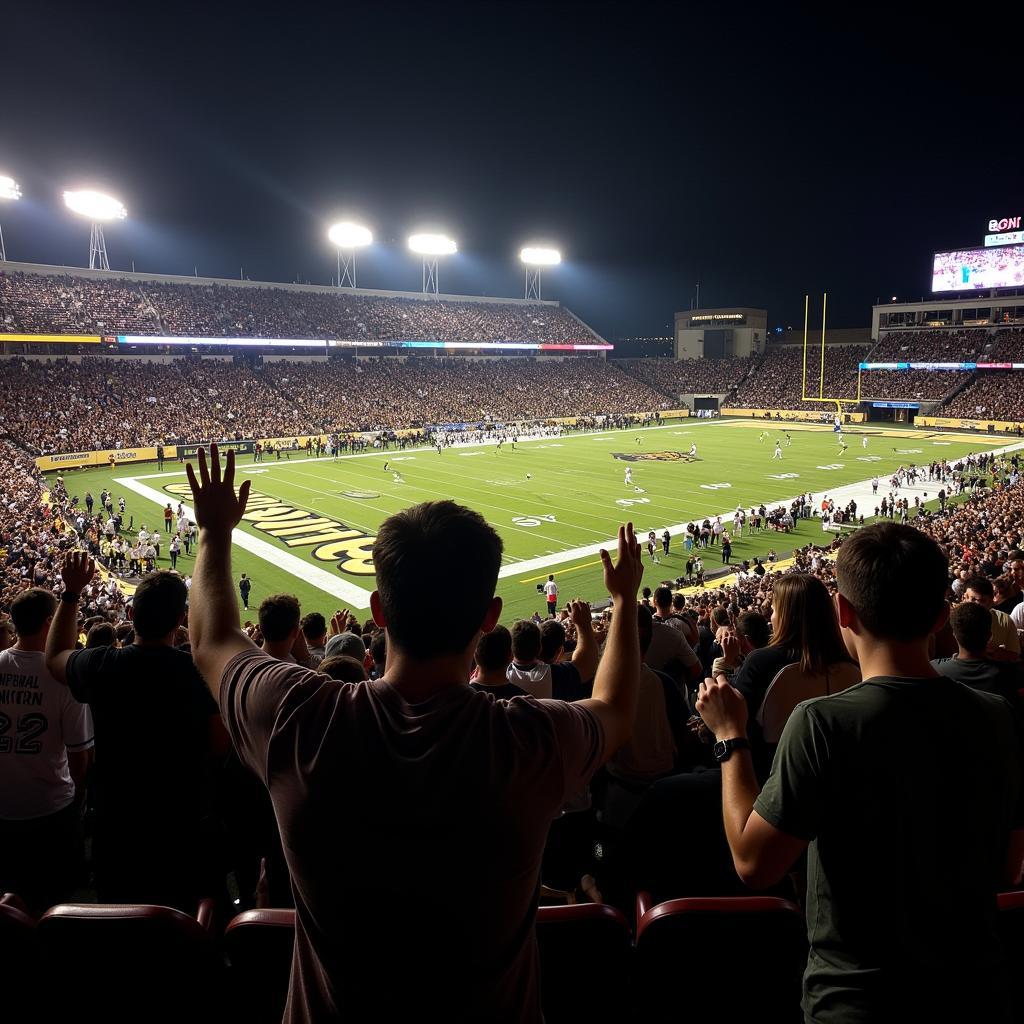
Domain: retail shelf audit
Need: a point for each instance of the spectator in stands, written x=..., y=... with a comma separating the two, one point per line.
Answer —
x=102, y=634
x=343, y=668
x=283, y=638
x=441, y=788
x=886, y=942
x=1003, y=634
x=971, y=666
x=532, y=672
x=379, y=653
x=493, y=656
x=314, y=629
x=156, y=732
x=42, y=774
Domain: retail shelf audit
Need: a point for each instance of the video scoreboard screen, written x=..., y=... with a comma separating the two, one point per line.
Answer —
x=978, y=269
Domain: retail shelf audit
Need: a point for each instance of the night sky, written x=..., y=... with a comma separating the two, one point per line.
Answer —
x=763, y=154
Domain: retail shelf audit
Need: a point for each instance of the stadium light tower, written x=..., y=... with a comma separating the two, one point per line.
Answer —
x=8, y=190
x=430, y=247
x=535, y=258
x=99, y=208
x=348, y=237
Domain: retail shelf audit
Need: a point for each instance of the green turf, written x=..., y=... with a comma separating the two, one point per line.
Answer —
x=574, y=498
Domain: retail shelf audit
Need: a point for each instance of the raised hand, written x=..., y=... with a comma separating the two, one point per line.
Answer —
x=217, y=507
x=722, y=708
x=78, y=571
x=622, y=580
x=579, y=613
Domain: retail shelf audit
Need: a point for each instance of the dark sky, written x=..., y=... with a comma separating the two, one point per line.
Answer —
x=764, y=154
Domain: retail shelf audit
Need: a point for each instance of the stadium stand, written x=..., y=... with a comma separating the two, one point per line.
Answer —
x=775, y=382
x=674, y=377
x=993, y=395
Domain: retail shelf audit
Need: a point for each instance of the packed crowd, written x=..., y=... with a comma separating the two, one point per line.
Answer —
x=98, y=403
x=776, y=380
x=673, y=377
x=930, y=346
x=69, y=304
x=994, y=395
x=640, y=728
x=910, y=385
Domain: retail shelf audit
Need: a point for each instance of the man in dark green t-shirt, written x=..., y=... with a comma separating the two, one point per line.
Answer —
x=905, y=790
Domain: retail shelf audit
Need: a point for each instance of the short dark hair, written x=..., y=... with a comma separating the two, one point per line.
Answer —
x=645, y=627
x=314, y=625
x=30, y=610
x=100, y=635
x=972, y=626
x=663, y=597
x=678, y=602
x=344, y=668
x=525, y=640
x=873, y=569
x=980, y=585
x=755, y=627
x=378, y=647
x=453, y=551
x=158, y=604
x=552, y=638
x=494, y=649
x=278, y=615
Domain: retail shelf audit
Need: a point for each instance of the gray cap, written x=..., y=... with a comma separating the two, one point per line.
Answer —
x=345, y=643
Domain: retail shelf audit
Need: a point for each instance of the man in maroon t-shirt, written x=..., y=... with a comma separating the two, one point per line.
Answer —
x=398, y=797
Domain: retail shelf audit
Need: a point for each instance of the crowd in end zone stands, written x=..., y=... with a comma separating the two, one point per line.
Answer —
x=687, y=376
x=307, y=759
x=36, y=303
x=776, y=383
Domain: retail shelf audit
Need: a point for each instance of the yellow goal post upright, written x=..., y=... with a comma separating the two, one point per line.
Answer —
x=821, y=396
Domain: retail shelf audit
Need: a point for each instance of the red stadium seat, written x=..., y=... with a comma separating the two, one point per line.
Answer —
x=712, y=942
x=121, y=962
x=258, y=945
x=584, y=962
x=20, y=968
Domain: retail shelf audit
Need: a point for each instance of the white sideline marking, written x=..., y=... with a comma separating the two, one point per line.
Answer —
x=328, y=582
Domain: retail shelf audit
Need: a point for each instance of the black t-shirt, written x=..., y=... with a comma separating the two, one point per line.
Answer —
x=505, y=692
x=151, y=711
x=999, y=677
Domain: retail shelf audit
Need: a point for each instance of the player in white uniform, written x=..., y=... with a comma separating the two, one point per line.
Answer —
x=629, y=476
x=864, y=441
x=778, y=451
x=693, y=451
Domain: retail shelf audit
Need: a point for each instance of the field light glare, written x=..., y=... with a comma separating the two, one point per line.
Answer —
x=9, y=188
x=537, y=256
x=347, y=235
x=95, y=205
x=432, y=245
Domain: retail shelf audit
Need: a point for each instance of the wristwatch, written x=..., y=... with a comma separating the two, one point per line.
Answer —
x=70, y=597
x=723, y=748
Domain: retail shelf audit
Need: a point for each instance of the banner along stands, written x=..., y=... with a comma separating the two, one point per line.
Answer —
x=122, y=456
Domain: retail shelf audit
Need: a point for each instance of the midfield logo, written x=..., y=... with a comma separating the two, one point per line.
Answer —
x=654, y=456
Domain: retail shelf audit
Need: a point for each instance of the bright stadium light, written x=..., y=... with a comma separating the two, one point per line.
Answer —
x=8, y=190
x=348, y=237
x=97, y=207
x=535, y=258
x=430, y=247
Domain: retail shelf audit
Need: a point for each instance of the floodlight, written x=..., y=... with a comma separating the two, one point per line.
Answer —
x=535, y=258
x=9, y=188
x=432, y=245
x=347, y=235
x=95, y=205
x=538, y=256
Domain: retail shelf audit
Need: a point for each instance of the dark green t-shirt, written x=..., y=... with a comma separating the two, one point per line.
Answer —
x=907, y=790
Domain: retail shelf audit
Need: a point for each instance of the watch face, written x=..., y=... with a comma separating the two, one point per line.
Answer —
x=719, y=749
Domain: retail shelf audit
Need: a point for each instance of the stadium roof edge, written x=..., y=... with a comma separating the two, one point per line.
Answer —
x=47, y=270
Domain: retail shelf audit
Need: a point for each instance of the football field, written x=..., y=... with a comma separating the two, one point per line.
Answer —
x=310, y=524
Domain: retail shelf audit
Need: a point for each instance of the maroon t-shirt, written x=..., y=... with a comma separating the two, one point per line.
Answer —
x=413, y=834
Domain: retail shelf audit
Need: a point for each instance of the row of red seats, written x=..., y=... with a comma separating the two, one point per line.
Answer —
x=120, y=962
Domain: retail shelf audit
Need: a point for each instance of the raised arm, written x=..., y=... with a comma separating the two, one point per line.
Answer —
x=617, y=682
x=77, y=572
x=214, y=627
x=587, y=652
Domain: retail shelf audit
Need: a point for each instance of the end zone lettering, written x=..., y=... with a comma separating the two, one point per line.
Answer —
x=334, y=541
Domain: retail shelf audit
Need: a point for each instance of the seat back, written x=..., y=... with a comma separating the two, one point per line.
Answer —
x=132, y=962
x=20, y=965
x=584, y=963
x=791, y=686
x=706, y=941
x=259, y=945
